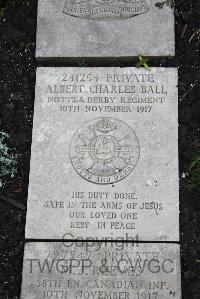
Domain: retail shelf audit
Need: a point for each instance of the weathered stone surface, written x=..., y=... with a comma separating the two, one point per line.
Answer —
x=104, y=160
x=101, y=271
x=100, y=28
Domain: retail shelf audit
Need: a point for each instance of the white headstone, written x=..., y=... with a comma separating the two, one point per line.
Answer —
x=104, y=161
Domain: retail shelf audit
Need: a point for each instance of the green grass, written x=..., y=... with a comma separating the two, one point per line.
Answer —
x=8, y=3
x=193, y=170
x=143, y=61
x=8, y=160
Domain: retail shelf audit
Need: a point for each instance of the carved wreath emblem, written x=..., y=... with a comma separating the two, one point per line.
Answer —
x=105, y=9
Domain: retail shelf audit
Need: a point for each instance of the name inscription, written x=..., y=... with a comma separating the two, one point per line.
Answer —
x=113, y=93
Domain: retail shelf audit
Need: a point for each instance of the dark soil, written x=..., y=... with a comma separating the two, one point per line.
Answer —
x=17, y=82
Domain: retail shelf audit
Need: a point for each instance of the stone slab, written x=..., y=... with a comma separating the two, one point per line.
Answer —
x=119, y=28
x=104, y=161
x=101, y=271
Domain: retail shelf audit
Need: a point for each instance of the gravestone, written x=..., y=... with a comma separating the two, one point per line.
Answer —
x=104, y=28
x=101, y=271
x=104, y=161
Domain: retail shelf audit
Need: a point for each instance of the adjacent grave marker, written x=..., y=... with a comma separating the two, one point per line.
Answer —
x=101, y=271
x=104, y=28
x=104, y=162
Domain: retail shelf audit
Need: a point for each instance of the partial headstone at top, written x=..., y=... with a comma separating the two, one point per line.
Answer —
x=104, y=28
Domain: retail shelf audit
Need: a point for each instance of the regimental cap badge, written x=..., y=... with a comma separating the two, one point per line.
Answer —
x=105, y=9
x=104, y=150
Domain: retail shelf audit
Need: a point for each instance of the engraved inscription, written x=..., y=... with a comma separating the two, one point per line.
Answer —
x=104, y=151
x=105, y=9
x=101, y=270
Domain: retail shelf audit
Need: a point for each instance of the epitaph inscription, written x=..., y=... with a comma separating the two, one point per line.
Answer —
x=101, y=271
x=104, y=151
x=104, y=158
x=105, y=9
